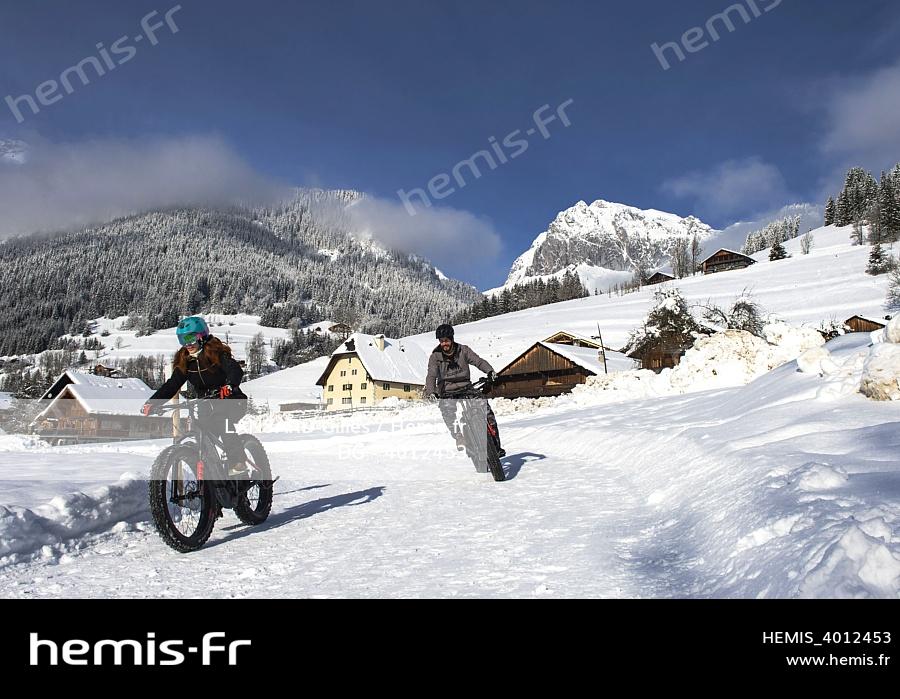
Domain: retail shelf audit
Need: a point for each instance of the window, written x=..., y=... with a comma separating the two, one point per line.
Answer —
x=386, y=386
x=331, y=387
x=330, y=401
x=346, y=401
x=364, y=386
x=343, y=373
x=347, y=387
x=353, y=373
x=406, y=387
x=362, y=400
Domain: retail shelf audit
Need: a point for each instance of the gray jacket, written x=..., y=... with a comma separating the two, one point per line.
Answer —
x=450, y=374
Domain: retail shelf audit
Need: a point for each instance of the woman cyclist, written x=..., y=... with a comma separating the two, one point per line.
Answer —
x=206, y=362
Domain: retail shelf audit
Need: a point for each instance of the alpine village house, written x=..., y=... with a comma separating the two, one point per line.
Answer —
x=100, y=407
x=366, y=369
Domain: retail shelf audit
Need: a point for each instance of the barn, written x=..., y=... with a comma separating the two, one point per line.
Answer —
x=866, y=324
x=659, y=278
x=551, y=369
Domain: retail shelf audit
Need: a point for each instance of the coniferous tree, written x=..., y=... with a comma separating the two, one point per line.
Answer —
x=669, y=324
x=830, y=211
x=778, y=252
x=842, y=215
x=878, y=261
x=893, y=295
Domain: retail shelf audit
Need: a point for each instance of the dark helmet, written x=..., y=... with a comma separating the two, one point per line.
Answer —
x=444, y=330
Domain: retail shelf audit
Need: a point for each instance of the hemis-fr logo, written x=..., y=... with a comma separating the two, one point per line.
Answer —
x=148, y=652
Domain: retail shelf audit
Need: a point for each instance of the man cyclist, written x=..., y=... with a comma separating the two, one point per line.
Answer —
x=449, y=377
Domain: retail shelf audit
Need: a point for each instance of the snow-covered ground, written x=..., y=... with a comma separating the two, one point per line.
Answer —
x=236, y=330
x=692, y=483
x=789, y=486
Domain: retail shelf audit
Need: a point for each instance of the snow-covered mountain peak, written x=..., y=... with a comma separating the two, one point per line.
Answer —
x=606, y=235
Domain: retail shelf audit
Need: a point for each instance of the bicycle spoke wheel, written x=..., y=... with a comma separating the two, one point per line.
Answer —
x=181, y=504
x=254, y=506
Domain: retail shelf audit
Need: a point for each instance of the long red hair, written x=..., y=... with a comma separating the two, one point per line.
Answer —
x=213, y=349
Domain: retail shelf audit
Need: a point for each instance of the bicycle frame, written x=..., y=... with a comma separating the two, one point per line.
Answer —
x=210, y=447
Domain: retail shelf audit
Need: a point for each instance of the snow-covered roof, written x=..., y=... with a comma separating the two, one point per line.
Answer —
x=6, y=400
x=401, y=361
x=590, y=359
x=82, y=378
x=102, y=395
x=576, y=336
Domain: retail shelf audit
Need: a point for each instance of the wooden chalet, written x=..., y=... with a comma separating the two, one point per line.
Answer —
x=85, y=407
x=659, y=278
x=551, y=369
x=866, y=324
x=724, y=259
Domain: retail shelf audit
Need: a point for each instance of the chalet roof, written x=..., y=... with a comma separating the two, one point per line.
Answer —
x=581, y=338
x=589, y=358
x=585, y=357
x=101, y=395
x=728, y=250
x=82, y=378
x=401, y=361
x=662, y=273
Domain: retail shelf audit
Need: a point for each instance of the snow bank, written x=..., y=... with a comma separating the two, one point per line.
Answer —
x=880, y=378
x=790, y=342
x=731, y=358
x=723, y=360
x=880, y=375
x=48, y=528
x=21, y=442
x=817, y=360
x=856, y=565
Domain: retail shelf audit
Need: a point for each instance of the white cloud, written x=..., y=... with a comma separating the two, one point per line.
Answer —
x=457, y=241
x=732, y=189
x=863, y=118
x=62, y=185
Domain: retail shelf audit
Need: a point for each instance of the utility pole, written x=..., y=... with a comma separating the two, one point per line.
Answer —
x=602, y=349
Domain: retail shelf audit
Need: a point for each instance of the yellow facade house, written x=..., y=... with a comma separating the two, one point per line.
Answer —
x=366, y=369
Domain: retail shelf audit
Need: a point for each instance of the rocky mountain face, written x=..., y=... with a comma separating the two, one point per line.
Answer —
x=606, y=236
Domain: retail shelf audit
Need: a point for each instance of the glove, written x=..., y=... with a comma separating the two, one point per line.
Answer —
x=147, y=409
x=225, y=392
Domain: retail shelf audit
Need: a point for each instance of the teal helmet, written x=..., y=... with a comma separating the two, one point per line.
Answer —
x=192, y=329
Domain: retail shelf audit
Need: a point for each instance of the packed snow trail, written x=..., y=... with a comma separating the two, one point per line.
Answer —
x=553, y=529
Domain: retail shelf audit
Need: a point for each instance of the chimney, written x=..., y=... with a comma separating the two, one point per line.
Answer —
x=379, y=342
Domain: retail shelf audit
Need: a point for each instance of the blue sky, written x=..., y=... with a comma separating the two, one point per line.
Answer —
x=383, y=96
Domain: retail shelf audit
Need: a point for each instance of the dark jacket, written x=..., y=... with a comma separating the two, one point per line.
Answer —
x=450, y=373
x=205, y=376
